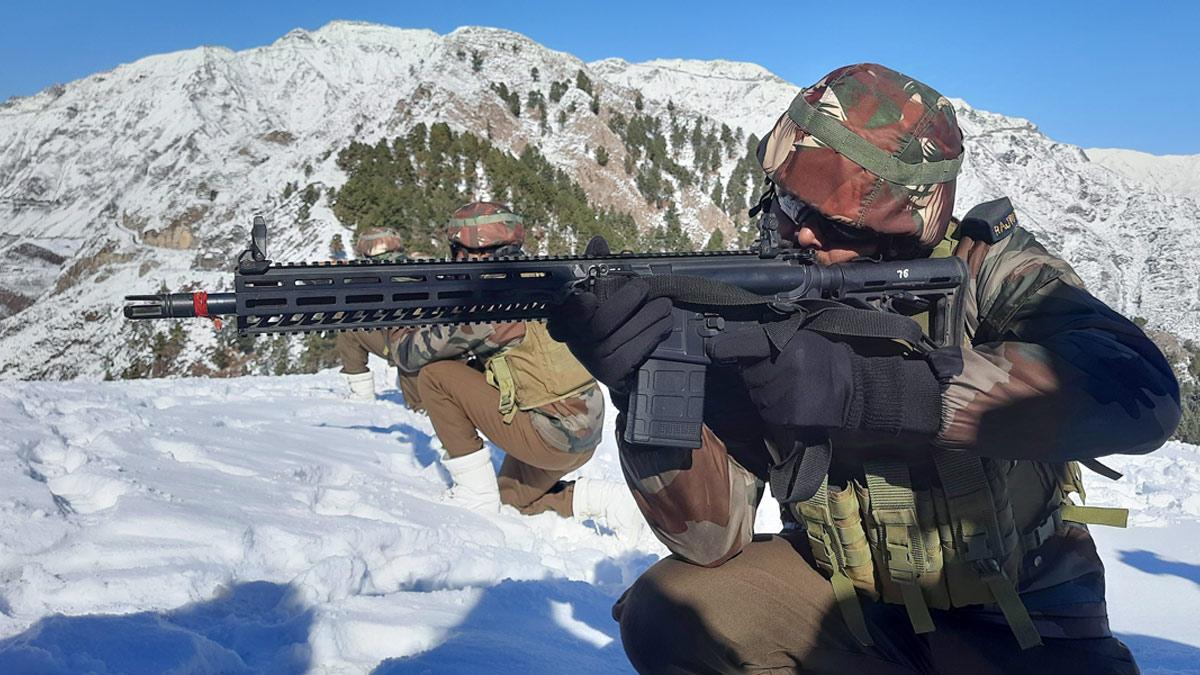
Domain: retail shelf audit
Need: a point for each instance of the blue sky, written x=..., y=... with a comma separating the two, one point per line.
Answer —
x=1101, y=73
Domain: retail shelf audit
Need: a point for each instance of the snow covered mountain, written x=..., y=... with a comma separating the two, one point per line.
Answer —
x=1173, y=174
x=739, y=94
x=148, y=174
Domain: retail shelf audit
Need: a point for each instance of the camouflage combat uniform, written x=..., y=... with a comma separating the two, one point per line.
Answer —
x=1047, y=374
x=1052, y=374
x=542, y=445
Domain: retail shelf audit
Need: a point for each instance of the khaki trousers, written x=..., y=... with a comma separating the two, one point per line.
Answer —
x=354, y=347
x=769, y=611
x=461, y=403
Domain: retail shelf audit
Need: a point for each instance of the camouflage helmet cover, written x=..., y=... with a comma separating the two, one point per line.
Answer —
x=872, y=148
x=485, y=225
x=378, y=241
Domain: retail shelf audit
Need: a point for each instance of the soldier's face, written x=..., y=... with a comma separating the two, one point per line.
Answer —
x=468, y=254
x=832, y=242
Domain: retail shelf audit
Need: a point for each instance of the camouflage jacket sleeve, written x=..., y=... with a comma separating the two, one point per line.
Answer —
x=413, y=348
x=700, y=503
x=1052, y=373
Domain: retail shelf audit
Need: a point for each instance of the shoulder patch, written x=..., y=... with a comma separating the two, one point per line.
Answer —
x=990, y=221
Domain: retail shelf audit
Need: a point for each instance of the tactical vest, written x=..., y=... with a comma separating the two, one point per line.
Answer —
x=534, y=372
x=949, y=533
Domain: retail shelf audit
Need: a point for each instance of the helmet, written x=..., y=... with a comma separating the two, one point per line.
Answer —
x=870, y=148
x=379, y=242
x=485, y=225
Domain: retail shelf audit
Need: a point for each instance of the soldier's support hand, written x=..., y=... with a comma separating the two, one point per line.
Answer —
x=815, y=382
x=612, y=338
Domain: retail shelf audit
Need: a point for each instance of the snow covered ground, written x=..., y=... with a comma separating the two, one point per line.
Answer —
x=270, y=525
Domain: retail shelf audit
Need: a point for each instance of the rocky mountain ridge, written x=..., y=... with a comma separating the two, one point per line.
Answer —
x=1173, y=174
x=147, y=175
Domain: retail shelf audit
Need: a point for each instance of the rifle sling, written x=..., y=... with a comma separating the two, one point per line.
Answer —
x=798, y=476
x=823, y=316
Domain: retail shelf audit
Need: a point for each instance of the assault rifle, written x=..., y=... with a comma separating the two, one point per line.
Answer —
x=712, y=292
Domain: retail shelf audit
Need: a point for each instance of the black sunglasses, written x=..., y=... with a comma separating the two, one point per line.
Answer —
x=497, y=251
x=799, y=212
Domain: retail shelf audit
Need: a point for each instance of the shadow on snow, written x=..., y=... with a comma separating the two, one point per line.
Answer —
x=421, y=442
x=1159, y=656
x=254, y=627
x=1150, y=563
x=549, y=626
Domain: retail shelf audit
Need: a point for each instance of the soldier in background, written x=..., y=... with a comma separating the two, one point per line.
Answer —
x=517, y=386
x=355, y=347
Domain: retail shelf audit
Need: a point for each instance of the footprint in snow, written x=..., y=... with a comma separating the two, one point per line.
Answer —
x=86, y=493
x=190, y=453
x=338, y=502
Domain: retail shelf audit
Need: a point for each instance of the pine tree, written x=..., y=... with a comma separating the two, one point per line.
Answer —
x=320, y=352
x=412, y=182
x=716, y=241
x=583, y=82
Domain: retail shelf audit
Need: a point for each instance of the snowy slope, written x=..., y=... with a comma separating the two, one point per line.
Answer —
x=269, y=525
x=1177, y=174
x=739, y=94
x=148, y=174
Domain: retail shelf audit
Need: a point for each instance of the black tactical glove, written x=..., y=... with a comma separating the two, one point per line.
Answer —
x=815, y=382
x=612, y=338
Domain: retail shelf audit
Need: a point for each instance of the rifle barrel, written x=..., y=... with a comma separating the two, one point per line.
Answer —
x=179, y=305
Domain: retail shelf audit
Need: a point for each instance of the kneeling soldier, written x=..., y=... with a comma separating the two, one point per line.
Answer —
x=355, y=347
x=521, y=389
x=941, y=535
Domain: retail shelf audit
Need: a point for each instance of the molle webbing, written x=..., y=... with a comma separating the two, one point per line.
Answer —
x=894, y=511
x=535, y=372
x=1072, y=481
x=1096, y=515
x=833, y=134
x=838, y=542
x=500, y=376
x=984, y=534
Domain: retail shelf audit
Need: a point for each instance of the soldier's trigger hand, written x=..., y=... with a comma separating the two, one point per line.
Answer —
x=612, y=338
x=815, y=382
x=810, y=383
